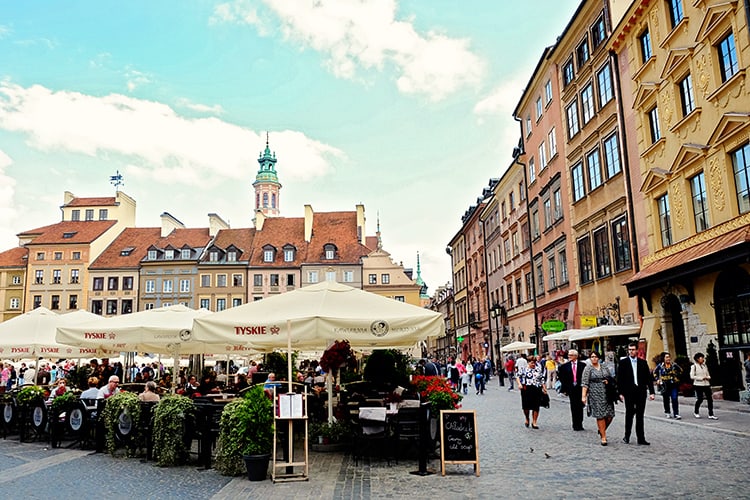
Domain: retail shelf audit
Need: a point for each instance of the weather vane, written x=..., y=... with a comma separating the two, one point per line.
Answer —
x=116, y=180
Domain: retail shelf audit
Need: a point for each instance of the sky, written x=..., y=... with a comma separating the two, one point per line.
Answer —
x=402, y=106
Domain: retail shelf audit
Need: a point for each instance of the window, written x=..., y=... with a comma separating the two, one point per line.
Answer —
x=16, y=280
x=535, y=223
x=98, y=284
x=205, y=304
x=548, y=91
x=516, y=249
x=506, y=245
x=539, y=278
x=312, y=276
x=645, y=43
x=521, y=191
x=595, y=169
x=331, y=276
x=700, y=207
x=169, y=254
x=73, y=301
x=601, y=253
x=237, y=280
x=399, y=298
x=348, y=276
x=37, y=301
x=552, y=271
x=542, y=157
x=150, y=286
x=509, y=287
x=558, y=204
x=385, y=279
x=76, y=255
x=552, y=143
x=676, y=12
x=562, y=259
x=665, y=222
x=512, y=201
x=185, y=253
x=56, y=276
x=532, y=170
x=55, y=302
x=184, y=286
x=687, y=97
x=205, y=280
x=571, y=112
x=598, y=32
x=111, y=307
x=547, y=213
x=273, y=280
x=221, y=280
x=232, y=256
x=267, y=255
x=15, y=303
x=604, y=80
x=289, y=280
x=167, y=286
x=126, y=306
x=148, y=306
x=587, y=103
x=102, y=214
x=612, y=156
x=152, y=255
x=265, y=200
x=741, y=167
x=58, y=256
x=585, y=270
x=89, y=214
x=40, y=256
x=653, y=122
x=527, y=279
x=621, y=244
x=127, y=283
x=288, y=254
x=113, y=283
x=97, y=307
x=75, y=215
x=257, y=280
x=582, y=53
x=236, y=302
x=576, y=173
x=568, y=73
x=528, y=125
x=221, y=304
x=727, y=57
x=213, y=256
x=330, y=252
x=519, y=297
x=372, y=279
x=539, y=109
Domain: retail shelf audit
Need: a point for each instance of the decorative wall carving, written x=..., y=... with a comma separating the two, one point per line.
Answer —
x=679, y=206
x=715, y=180
x=703, y=79
x=668, y=107
x=655, y=23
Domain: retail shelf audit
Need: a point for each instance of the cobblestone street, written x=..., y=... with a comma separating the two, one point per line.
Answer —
x=687, y=459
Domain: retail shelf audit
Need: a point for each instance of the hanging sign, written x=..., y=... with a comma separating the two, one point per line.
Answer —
x=553, y=325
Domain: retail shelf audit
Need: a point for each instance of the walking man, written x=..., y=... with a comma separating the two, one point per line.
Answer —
x=570, y=375
x=634, y=382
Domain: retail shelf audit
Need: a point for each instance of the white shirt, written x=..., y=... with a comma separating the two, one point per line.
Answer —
x=634, y=364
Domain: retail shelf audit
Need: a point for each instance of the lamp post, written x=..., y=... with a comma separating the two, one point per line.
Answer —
x=497, y=311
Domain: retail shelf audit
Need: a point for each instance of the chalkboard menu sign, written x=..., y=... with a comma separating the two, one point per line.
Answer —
x=458, y=438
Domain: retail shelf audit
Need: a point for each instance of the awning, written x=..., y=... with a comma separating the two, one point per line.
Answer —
x=563, y=335
x=606, y=331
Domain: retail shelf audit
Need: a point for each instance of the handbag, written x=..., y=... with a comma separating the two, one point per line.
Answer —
x=544, y=400
x=611, y=390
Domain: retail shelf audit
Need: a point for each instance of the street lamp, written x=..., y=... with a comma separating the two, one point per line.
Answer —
x=496, y=311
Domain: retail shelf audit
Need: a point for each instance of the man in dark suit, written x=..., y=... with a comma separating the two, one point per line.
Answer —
x=634, y=382
x=570, y=375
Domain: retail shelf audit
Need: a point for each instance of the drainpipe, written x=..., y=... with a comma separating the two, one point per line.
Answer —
x=487, y=284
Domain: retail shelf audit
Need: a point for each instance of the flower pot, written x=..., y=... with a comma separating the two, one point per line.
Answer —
x=257, y=466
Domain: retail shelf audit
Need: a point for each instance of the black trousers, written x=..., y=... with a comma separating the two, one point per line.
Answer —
x=576, y=407
x=635, y=407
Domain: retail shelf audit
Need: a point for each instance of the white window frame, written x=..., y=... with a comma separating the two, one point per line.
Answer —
x=184, y=286
x=167, y=286
x=150, y=286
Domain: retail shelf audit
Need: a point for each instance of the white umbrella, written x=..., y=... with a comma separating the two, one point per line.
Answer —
x=563, y=335
x=518, y=346
x=606, y=331
x=32, y=335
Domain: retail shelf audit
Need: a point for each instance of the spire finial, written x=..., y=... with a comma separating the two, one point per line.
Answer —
x=380, y=240
x=266, y=138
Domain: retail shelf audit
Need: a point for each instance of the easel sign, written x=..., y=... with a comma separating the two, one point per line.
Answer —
x=459, y=443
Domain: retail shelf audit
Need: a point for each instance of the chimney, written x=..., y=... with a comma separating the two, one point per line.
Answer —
x=169, y=224
x=309, y=215
x=215, y=223
x=360, y=223
x=259, y=219
x=68, y=197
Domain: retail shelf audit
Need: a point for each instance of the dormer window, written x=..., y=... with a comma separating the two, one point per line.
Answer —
x=289, y=251
x=213, y=256
x=169, y=254
x=329, y=251
x=267, y=255
x=152, y=255
x=232, y=256
x=69, y=235
x=185, y=253
x=126, y=251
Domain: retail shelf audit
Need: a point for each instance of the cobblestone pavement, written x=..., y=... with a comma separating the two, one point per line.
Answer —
x=690, y=458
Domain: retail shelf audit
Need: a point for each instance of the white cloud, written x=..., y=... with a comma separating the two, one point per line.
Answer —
x=4, y=31
x=135, y=79
x=365, y=35
x=500, y=103
x=216, y=109
x=8, y=212
x=152, y=138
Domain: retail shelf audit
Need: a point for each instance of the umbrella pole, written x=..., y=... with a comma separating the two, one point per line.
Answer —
x=289, y=352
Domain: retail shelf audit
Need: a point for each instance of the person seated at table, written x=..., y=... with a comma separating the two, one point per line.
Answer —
x=320, y=379
x=149, y=394
x=110, y=389
x=192, y=387
x=59, y=389
x=92, y=392
x=209, y=384
x=165, y=382
x=270, y=384
x=310, y=378
x=241, y=383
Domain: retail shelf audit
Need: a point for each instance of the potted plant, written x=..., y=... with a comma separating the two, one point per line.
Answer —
x=174, y=416
x=120, y=415
x=332, y=436
x=246, y=434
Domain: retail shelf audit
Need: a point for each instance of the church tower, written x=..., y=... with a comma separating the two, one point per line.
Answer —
x=267, y=184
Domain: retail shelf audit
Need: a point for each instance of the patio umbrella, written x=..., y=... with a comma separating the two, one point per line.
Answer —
x=563, y=335
x=606, y=331
x=518, y=346
x=32, y=335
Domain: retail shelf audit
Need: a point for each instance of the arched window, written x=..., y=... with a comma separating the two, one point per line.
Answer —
x=265, y=200
x=273, y=200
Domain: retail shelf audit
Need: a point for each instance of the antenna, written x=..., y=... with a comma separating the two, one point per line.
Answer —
x=116, y=180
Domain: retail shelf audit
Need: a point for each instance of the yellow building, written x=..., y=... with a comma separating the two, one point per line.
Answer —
x=686, y=61
x=12, y=279
x=384, y=277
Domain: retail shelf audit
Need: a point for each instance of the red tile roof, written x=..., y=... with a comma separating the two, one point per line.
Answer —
x=279, y=231
x=371, y=242
x=15, y=257
x=339, y=228
x=79, y=231
x=241, y=238
x=92, y=202
x=181, y=237
x=137, y=239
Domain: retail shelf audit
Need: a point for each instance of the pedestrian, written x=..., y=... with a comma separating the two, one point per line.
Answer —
x=571, y=376
x=510, y=371
x=461, y=370
x=551, y=367
x=467, y=377
x=531, y=385
x=479, y=376
x=430, y=368
x=634, y=383
x=668, y=379
x=22, y=374
x=594, y=382
x=702, y=384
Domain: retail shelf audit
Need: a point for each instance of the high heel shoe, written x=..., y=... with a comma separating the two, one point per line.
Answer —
x=526, y=423
x=604, y=443
x=534, y=426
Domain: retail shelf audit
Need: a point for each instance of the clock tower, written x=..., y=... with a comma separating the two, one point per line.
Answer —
x=267, y=184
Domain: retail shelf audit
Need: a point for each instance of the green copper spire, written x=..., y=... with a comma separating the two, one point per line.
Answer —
x=420, y=281
x=267, y=172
